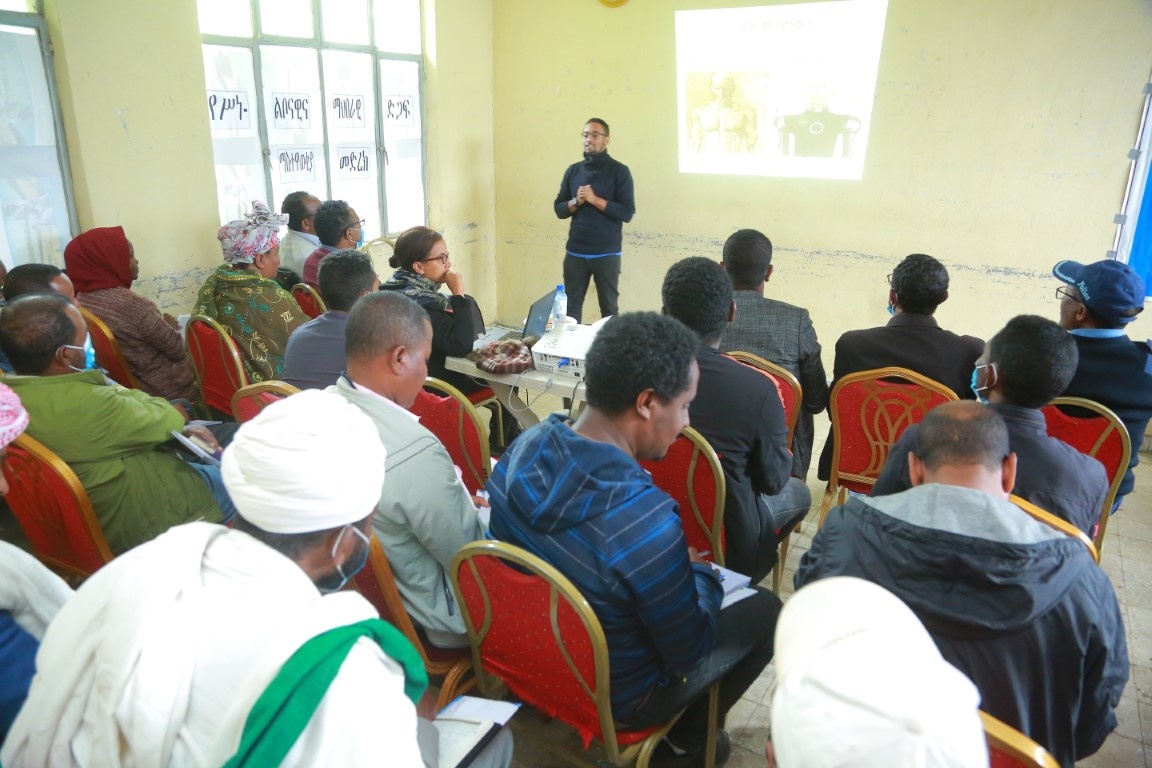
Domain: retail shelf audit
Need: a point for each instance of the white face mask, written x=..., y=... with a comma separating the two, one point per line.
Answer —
x=355, y=563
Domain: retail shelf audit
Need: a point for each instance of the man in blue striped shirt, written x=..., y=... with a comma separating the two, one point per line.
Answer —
x=574, y=494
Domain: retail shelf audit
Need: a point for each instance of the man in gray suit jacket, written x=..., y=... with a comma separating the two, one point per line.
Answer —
x=778, y=332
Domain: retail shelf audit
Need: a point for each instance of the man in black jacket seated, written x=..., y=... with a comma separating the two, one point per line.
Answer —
x=1019, y=607
x=1023, y=367
x=1096, y=306
x=738, y=411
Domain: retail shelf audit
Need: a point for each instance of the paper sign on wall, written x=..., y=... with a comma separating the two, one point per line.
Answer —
x=352, y=162
x=347, y=111
x=398, y=110
x=228, y=110
x=294, y=164
x=291, y=110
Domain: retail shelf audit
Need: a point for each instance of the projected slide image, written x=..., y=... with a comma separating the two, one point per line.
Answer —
x=781, y=90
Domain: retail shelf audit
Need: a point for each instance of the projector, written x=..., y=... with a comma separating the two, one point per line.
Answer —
x=562, y=351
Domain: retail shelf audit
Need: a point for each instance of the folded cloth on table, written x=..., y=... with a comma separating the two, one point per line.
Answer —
x=512, y=356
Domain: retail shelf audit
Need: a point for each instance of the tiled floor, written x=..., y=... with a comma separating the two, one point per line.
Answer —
x=1126, y=556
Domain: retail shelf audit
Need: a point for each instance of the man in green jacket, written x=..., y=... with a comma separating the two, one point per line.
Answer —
x=107, y=434
x=425, y=513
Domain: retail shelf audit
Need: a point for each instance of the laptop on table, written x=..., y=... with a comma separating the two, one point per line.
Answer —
x=534, y=325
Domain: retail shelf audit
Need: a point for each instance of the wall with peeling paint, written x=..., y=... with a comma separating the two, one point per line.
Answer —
x=998, y=145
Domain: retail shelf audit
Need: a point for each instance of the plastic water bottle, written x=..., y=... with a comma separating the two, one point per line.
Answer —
x=559, y=307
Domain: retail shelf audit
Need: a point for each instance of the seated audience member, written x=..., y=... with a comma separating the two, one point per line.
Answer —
x=738, y=411
x=244, y=297
x=1022, y=368
x=172, y=652
x=314, y=358
x=573, y=494
x=339, y=229
x=911, y=339
x=1019, y=607
x=425, y=513
x=1098, y=302
x=860, y=683
x=778, y=332
x=30, y=594
x=107, y=434
x=37, y=278
x=300, y=240
x=102, y=265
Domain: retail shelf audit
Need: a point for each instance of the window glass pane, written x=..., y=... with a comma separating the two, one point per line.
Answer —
x=345, y=21
x=397, y=25
x=34, y=221
x=289, y=18
x=293, y=111
x=225, y=17
x=403, y=147
x=22, y=6
x=351, y=111
x=236, y=148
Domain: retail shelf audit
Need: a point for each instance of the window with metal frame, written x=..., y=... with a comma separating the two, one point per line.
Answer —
x=37, y=206
x=317, y=95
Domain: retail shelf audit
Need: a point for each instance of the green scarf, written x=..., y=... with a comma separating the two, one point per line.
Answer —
x=283, y=711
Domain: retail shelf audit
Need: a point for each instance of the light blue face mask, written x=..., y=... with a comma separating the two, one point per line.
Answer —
x=89, y=354
x=360, y=242
x=976, y=388
x=891, y=309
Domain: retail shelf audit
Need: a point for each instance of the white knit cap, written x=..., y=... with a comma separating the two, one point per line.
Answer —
x=310, y=462
x=859, y=682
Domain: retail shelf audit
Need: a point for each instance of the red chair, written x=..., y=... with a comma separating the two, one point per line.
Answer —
x=1059, y=524
x=532, y=630
x=377, y=584
x=1008, y=748
x=454, y=420
x=108, y=353
x=216, y=360
x=53, y=510
x=869, y=411
x=309, y=299
x=249, y=400
x=791, y=396
x=1095, y=431
x=691, y=474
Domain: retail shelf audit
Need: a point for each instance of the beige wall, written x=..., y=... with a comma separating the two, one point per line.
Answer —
x=998, y=145
x=131, y=84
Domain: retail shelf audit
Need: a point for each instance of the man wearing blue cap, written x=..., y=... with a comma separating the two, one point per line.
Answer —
x=1096, y=304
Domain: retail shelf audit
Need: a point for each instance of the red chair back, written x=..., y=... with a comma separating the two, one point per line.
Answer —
x=1095, y=431
x=455, y=422
x=787, y=385
x=253, y=398
x=532, y=629
x=1008, y=748
x=309, y=299
x=691, y=474
x=216, y=360
x=53, y=510
x=109, y=356
x=870, y=411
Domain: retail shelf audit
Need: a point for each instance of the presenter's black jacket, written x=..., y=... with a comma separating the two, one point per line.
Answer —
x=594, y=232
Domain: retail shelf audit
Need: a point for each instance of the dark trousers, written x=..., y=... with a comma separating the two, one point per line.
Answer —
x=744, y=646
x=577, y=273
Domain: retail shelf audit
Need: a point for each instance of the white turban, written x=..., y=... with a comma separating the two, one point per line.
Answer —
x=310, y=462
x=859, y=682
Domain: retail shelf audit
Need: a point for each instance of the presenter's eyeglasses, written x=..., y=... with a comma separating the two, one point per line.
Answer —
x=1062, y=292
x=592, y=134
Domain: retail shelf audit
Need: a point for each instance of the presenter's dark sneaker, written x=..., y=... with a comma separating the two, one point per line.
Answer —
x=669, y=755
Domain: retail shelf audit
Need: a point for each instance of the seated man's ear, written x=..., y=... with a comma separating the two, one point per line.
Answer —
x=768, y=273
x=915, y=469
x=732, y=311
x=644, y=402
x=1008, y=473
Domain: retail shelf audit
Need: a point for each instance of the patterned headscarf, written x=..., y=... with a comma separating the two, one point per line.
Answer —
x=98, y=259
x=245, y=239
x=13, y=417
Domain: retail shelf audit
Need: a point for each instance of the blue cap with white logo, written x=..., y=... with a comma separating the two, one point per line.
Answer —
x=1111, y=289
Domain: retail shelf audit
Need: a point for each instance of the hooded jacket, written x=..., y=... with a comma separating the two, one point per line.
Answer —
x=590, y=510
x=1017, y=606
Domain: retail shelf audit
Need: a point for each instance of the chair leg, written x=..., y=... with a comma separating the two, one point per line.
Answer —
x=713, y=717
x=456, y=682
x=826, y=504
x=778, y=569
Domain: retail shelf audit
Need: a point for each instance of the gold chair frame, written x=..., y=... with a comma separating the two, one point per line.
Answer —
x=237, y=364
x=560, y=588
x=470, y=412
x=880, y=448
x=702, y=451
x=1052, y=521
x=113, y=344
x=1004, y=738
x=1126, y=455
x=315, y=294
x=46, y=456
x=782, y=374
x=274, y=385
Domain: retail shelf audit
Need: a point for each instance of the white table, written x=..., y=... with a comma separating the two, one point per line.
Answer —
x=503, y=385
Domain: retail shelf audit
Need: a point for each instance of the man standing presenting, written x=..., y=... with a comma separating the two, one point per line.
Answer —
x=597, y=195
